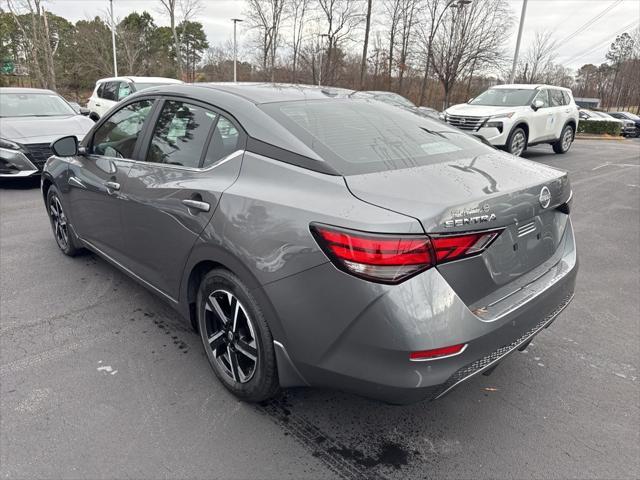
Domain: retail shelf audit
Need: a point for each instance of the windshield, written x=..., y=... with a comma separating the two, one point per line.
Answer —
x=632, y=116
x=142, y=86
x=504, y=97
x=394, y=99
x=33, y=105
x=362, y=136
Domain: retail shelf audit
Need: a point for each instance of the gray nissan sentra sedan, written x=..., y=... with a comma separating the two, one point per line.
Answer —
x=315, y=239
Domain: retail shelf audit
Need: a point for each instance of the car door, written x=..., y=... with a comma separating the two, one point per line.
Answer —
x=541, y=120
x=191, y=155
x=97, y=178
x=560, y=110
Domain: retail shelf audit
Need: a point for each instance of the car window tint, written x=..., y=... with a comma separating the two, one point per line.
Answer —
x=544, y=96
x=557, y=100
x=124, y=90
x=224, y=142
x=567, y=99
x=100, y=90
x=118, y=135
x=109, y=91
x=180, y=134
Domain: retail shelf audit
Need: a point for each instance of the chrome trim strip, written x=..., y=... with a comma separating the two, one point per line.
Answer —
x=439, y=358
x=19, y=173
x=489, y=365
x=126, y=270
x=229, y=157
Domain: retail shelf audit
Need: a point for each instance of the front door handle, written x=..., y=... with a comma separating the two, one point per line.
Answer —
x=97, y=104
x=197, y=205
x=112, y=186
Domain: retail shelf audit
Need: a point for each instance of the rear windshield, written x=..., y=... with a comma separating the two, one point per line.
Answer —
x=504, y=97
x=364, y=136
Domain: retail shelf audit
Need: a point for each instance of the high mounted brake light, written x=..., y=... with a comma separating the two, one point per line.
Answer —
x=391, y=258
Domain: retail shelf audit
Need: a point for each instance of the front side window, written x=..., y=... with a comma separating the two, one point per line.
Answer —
x=504, y=97
x=117, y=136
x=180, y=134
x=109, y=91
x=543, y=96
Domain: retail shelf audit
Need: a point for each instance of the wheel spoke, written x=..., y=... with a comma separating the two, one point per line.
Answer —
x=212, y=304
x=233, y=363
x=236, y=311
x=216, y=339
x=247, y=350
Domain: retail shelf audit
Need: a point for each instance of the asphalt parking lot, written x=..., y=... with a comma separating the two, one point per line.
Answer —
x=101, y=379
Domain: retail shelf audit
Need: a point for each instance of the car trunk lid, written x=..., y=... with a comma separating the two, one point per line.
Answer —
x=493, y=191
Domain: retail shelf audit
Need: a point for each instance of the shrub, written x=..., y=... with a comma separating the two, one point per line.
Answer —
x=599, y=127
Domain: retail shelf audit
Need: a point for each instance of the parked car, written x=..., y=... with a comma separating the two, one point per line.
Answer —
x=627, y=127
x=397, y=100
x=628, y=116
x=30, y=119
x=109, y=91
x=320, y=240
x=514, y=117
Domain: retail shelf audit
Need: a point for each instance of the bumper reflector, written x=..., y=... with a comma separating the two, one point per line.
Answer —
x=437, y=353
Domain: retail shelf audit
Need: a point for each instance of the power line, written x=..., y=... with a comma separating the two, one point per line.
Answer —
x=599, y=44
x=593, y=20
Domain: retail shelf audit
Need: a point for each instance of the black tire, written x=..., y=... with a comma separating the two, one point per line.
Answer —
x=566, y=139
x=517, y=142
x=62, y=230
x=252, y=382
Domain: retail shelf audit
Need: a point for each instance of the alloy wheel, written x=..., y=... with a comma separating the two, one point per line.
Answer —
x=566, y=139
x=59, y=219
x=231, y=336
x=518, y=143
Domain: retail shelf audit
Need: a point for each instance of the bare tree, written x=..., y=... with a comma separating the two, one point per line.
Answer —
x=266, y=17
x=367, y=27
x=341, y=17
x=407, y=21
x=296, y=11
x=471, y=36
x=539, y=58
x=180, y=11
x=434, y=12
x=391, y=18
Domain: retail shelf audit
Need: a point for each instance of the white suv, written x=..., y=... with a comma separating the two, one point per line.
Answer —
x=514, y=117
x=109, y=91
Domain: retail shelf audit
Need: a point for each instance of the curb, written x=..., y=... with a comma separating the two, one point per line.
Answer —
x=599, y=137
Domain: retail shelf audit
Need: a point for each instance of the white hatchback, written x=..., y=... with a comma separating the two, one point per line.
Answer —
x=109, y=91
x=514, y=117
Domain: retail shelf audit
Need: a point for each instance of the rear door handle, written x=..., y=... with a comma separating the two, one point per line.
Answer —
x=97, y=104
x=197, y=205
x=112, y=186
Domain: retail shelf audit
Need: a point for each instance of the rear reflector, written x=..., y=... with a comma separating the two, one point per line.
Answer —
x=438, y=352
x=393, y=258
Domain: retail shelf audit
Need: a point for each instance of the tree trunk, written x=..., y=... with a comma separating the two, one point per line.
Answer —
x=363, y=65
x=176, y=44
x=51, y=72
x=425, y=78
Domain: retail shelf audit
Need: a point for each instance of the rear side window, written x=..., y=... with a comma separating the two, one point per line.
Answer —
x=567, y=98
x=180, y=134
x=362, y=136
x=100, y=90
x=117, y=136
x=557, y=98
x=124, y=90
x=224, y=141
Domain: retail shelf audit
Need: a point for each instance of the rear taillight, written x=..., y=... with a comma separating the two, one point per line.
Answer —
x=394, y=258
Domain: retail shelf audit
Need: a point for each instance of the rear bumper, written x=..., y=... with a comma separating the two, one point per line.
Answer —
x=341, y=332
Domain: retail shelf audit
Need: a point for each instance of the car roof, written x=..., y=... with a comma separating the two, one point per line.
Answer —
x=529, y=86
x=26, y=90
x=259, y=93
x=140, y=79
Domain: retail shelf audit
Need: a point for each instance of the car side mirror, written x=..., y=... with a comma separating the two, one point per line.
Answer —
x=84, y=111
x=537, y=104
x=65, y=146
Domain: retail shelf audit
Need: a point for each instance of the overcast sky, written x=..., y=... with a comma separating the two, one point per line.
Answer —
x=563, y=17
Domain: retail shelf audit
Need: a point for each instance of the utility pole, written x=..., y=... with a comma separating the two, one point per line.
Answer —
x=235, y=49
x=515, y=57
x=113, y=40
x=322, y=35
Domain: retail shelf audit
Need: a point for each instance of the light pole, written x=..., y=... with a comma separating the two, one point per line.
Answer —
x=322, y=35
x=113, y=40
x=235, y=49
x=515, y=56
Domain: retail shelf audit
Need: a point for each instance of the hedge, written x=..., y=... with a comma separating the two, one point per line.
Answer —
x=599, y=127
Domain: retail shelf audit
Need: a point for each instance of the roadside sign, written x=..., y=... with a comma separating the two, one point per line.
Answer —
x=7, y=67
